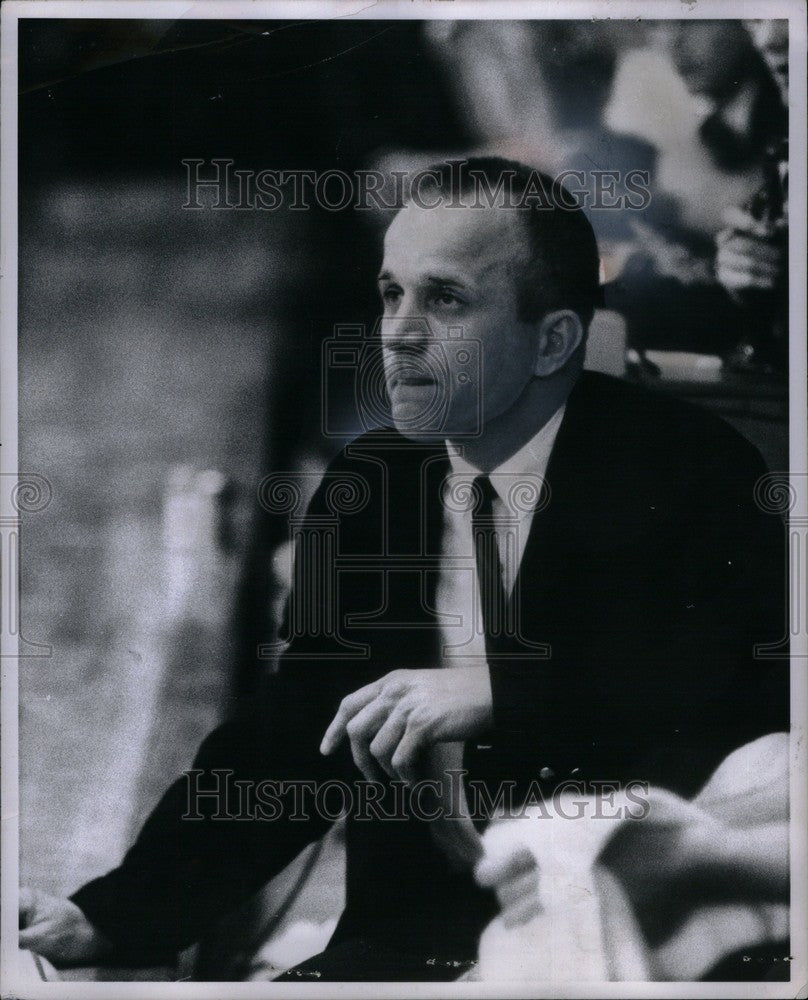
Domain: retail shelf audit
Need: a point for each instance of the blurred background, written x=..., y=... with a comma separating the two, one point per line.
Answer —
x=171, y=359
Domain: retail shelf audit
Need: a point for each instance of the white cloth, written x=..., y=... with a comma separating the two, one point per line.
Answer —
x=587, y=928
x=518, y=485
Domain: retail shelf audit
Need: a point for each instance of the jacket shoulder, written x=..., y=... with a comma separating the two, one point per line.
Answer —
x=651, y=422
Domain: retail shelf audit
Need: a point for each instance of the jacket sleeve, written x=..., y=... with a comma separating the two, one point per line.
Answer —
x=208, y=845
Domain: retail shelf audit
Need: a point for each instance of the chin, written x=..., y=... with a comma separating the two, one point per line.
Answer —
x=425, y=435
x=413, y=423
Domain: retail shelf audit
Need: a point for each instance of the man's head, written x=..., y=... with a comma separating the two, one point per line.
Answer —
x=713, y=58
x=483, y=298
x=770, y=38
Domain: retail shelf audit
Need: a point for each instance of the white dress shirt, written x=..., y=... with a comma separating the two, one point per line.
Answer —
x=518, y=485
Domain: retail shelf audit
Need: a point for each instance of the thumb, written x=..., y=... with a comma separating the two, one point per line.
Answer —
x=30, y=940
x=28, y=905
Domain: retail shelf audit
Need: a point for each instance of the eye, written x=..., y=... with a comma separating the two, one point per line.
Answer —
x=445, y=297
x=391, y=294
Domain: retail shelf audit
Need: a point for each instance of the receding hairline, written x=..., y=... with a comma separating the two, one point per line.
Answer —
x=461, y=212
x=560, y=265
x=513, y=263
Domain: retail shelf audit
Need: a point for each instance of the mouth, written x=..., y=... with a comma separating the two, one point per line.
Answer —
x=411, y=380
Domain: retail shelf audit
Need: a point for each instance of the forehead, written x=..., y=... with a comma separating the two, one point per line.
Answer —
x=697, y=43
x=478, y=241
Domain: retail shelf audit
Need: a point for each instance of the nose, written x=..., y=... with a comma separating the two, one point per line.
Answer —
x=407, y=333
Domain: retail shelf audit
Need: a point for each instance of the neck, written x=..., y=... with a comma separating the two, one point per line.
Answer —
x=506, y=434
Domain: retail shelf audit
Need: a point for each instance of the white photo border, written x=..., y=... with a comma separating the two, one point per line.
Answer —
x=12, y=983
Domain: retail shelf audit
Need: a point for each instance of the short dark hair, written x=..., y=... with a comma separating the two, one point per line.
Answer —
x=563, y=269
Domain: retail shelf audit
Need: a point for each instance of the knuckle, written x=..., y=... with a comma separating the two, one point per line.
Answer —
x=394, y=680
x=354, y=729
x=404, y=756
x=523, y=857
x=418, y=722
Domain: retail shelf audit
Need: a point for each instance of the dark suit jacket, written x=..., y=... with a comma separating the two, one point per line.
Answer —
x=651, y=573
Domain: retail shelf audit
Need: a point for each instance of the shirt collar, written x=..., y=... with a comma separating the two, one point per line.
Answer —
x=531, y=459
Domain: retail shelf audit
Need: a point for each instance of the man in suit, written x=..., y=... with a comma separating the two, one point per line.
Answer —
x=538, y=575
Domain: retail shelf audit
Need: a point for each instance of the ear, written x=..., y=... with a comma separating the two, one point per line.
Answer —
x=560, y=334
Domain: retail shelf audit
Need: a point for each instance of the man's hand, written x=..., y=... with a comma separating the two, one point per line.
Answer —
x=58, y=930
x=514, y=876
x=391, y=721
x=750, y=255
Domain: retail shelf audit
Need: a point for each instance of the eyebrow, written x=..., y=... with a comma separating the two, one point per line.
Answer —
x=436, y=280
x=432, y=279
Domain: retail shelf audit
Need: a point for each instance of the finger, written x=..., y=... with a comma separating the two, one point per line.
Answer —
x=493, y=876
x=494, y=869
x=348, y=708
x=405, y=757
x=361, y=730
x=522, y=913
x=758, y=266
x=30, y=940
x=747, y=275
x=388, y=738
x=757, y=251
x=736, y=218
x=516, y=891
x=738, y=280
x=746, y=262
x=743, y=265
x=27, y=905
x=364, y=761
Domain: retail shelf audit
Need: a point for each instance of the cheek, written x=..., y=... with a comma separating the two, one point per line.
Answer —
x=507, y=365
x=387, y=329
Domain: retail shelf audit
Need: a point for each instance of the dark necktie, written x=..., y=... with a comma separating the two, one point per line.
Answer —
x=493, y=600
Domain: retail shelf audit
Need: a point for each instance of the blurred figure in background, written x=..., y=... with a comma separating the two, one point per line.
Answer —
x=537, y=90
x=738, y=100
x=752, y=249
x=691, y=105
x=713, y=159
